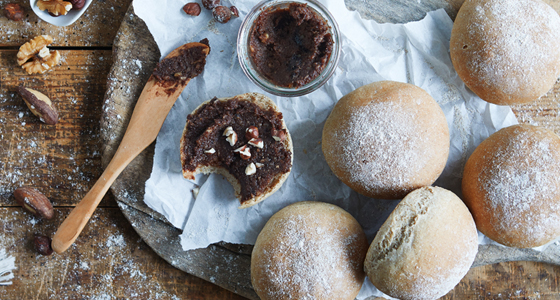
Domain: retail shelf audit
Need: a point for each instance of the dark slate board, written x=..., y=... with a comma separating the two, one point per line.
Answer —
x=135, y=54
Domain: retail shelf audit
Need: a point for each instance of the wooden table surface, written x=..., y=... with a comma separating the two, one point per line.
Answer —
x=109, y=260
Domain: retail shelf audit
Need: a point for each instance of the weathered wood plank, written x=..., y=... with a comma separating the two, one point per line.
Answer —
x=97, y=26
x=62, y=161
x=108, y=261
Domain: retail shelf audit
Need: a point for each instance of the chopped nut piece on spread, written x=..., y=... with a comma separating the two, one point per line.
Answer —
x=251, y=169
x=257, y=143
x=35, y=57
x=55, y=7
x=259, y=165
x=211, y=151
x=244, y=152
x=230, y=135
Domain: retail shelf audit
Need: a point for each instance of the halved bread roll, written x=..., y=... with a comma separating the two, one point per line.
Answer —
x=220, y=137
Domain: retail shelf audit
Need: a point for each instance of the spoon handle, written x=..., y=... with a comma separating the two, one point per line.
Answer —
x=146, y=121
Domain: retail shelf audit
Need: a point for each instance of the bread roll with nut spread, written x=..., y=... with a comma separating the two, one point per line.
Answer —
x=244, y=138
x=424, y=248
x=386, y=139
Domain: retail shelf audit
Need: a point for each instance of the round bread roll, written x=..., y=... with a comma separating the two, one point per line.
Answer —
x=309, y=250
x=213, y=161
x=506, y=51
x=425, y=247
x=386, y=139
x=511, y=184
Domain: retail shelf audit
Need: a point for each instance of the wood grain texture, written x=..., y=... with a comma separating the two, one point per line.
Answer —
x=95, y=28
x=109, y=261
x=62, y=161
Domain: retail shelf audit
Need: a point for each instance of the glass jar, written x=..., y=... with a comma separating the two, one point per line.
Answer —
x=246, y=62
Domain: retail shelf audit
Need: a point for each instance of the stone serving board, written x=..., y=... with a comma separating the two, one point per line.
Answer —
x=135, y=55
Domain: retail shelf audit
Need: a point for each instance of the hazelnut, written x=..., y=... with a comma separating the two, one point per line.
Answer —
x=192, y=9
x=257, y=143
x=234, y=11
x=210, y=151
x=230, y=135
x=39, y=104
x=34, y=201
x=77, y=4
x=279, y=135
x=221, y=14
x=251, y=132
x=251, y=169
x=259, y=165
x=43, y=245
x=210, y=4
x=14, y=11
x=244, y=152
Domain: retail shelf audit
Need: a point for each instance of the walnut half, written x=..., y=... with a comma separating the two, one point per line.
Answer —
x=35, y=57
x=55, y=7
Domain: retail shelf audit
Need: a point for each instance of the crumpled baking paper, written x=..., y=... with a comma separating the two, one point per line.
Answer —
x=417, y=53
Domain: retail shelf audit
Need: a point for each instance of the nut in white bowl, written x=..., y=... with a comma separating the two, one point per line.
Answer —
x=63, y=20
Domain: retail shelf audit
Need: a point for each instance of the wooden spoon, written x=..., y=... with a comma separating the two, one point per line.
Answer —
x=160, y=93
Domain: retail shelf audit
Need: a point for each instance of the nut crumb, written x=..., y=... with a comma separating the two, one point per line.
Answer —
x=251, y=169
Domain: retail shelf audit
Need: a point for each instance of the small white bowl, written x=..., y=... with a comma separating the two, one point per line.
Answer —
x=65, y=20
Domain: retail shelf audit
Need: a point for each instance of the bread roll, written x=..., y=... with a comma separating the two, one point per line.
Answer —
x=424, y=248
x=309, y=250
x=386, y=139
x=205, y=147
x=506, y=51
x=511, y=184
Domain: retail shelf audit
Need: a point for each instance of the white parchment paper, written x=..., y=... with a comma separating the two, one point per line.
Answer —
x=417, y=53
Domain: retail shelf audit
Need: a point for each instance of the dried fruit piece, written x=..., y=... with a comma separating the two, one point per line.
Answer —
x=77, y=4
x=34, y=201
x=14, y=11
x=234, y=11
x=210, y=4
x=35, y=57
x=221, y=14
x=55, y=7
x=192, y=9
x=43, y=245
x=39, y=104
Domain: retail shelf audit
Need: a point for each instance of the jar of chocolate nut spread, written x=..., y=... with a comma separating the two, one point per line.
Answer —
x=289, y=48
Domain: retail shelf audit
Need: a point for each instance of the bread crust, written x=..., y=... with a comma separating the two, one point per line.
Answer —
x=511, y=184
x=506, y=52
x=265, y=103
x=425, y=247
x=309, y=250
x=386, y=139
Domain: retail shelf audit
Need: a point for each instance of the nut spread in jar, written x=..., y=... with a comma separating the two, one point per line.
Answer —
x=290, y=46
x=242, y=138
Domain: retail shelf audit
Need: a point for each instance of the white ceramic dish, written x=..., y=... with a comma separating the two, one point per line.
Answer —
x=71, y=17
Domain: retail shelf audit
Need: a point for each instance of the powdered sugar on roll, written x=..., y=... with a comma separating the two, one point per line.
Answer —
x=512, y=186
x=506, y=50
x=386, y=139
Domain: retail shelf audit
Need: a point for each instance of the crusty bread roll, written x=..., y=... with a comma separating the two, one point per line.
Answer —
x=309, y=250
x=265, y=104
x=511, y=184
x=425, y=247
x=506, y=51
x=386, y=139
